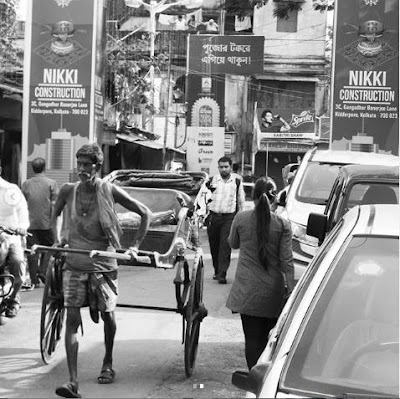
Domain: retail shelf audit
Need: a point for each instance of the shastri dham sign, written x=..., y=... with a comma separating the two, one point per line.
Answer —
x=63, y=83
x=216, y=54
x=365, y=84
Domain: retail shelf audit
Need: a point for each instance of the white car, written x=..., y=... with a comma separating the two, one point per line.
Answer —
x=338, y=335
x=310, y=190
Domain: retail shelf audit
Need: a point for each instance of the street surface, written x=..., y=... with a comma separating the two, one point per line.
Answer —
x=148, y=354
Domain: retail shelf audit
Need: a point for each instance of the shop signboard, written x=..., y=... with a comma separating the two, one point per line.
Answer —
x=206, y=100
x=205, y=121
x=63, y=83
x=285, y=146
x=205, y=145
x=365, y=85
x=286, y=123
x=218, y=54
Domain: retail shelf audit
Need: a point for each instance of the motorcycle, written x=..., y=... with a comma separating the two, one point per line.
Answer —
x=6, y=278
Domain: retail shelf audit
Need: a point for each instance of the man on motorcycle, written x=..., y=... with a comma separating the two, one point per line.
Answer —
x=14, y=215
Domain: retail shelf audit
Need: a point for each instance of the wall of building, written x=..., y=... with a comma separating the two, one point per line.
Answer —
x=307, y=41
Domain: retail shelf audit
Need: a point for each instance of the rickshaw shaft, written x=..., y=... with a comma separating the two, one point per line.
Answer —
x=122, y=305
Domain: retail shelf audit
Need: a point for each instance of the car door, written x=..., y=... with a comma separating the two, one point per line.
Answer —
x=286, y=328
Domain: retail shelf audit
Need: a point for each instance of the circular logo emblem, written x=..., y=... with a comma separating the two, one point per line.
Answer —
x=12, y=197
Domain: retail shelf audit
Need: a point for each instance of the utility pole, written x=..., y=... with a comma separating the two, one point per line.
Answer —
x=164, y=151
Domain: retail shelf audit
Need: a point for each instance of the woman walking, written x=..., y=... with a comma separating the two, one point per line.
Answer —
x=265, y=243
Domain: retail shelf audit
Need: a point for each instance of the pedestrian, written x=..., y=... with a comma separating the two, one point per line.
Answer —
x=14, y=215
x=226, y=198
x=273, y=123
x=180, y=23
x=264, y=240
x=40, y=192
x=281, y=196
x=92, y=224
x=192, y=24
x=211, y=26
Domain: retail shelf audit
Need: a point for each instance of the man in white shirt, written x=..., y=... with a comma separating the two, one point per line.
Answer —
x=14, y=215
x=225, y=198
x=180, y=23
x=211, y=26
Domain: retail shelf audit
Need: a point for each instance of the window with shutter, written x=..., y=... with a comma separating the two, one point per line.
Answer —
x=288, y=24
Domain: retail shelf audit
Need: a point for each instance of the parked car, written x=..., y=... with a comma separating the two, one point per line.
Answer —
x=310, y=190
x=338, y=334
x=355, y=185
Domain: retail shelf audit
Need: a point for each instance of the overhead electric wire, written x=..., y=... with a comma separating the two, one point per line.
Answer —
x=294, y=41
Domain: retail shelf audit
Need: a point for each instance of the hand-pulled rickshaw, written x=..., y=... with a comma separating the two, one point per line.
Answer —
x=173, y=197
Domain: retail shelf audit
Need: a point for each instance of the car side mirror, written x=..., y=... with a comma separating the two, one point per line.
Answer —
x=251, y=381
x=317, y=226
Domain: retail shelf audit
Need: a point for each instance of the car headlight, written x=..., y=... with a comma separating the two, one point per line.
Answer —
x=299, y=231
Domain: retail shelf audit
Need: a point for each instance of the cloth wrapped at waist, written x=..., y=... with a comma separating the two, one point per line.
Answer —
x=102, y=293
x=132, y=220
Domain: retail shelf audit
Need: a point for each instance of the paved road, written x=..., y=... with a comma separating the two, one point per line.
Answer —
x=148, y=356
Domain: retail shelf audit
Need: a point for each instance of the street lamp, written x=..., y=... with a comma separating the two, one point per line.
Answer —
x=155, y=7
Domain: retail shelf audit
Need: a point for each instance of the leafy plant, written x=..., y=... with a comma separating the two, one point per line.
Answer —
x=245, y=7
x=10, y=55
x=282, y=10
x=128, y=86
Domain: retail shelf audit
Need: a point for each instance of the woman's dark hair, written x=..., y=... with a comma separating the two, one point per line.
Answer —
x=265, y=192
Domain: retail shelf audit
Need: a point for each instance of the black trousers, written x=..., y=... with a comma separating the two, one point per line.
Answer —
x=256, y=330
x=39, y=237
x=218, y=232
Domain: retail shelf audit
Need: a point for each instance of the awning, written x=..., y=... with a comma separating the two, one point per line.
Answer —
x=11, y=88
x=155, y=145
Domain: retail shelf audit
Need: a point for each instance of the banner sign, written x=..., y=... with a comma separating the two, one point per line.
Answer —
x=286, y=123
x=205, y=145
x=62, y=95
x=285, y=146
x=365, y=84
x=206, y=100
x=216, y=54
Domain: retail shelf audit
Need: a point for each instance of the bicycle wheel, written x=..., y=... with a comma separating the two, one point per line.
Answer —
x=195, y=312
x=52, y=314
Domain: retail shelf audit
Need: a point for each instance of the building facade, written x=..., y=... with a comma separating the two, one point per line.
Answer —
x=293, y=84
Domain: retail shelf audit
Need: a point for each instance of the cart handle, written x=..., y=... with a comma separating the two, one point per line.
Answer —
x=93, y=253
x=123, y=256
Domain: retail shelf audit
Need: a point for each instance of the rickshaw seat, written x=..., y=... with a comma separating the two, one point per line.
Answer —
x=158, y=238
x=157, y=199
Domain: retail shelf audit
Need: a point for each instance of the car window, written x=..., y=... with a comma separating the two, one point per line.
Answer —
x=349, y=341
x=367, y=193
x=316, y=183
x=284, y=322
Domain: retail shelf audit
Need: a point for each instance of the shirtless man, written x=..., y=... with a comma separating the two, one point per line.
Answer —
x=92, y=224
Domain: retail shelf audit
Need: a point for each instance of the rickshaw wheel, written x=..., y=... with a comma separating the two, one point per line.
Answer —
x=53, y=311
x=194, y=314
